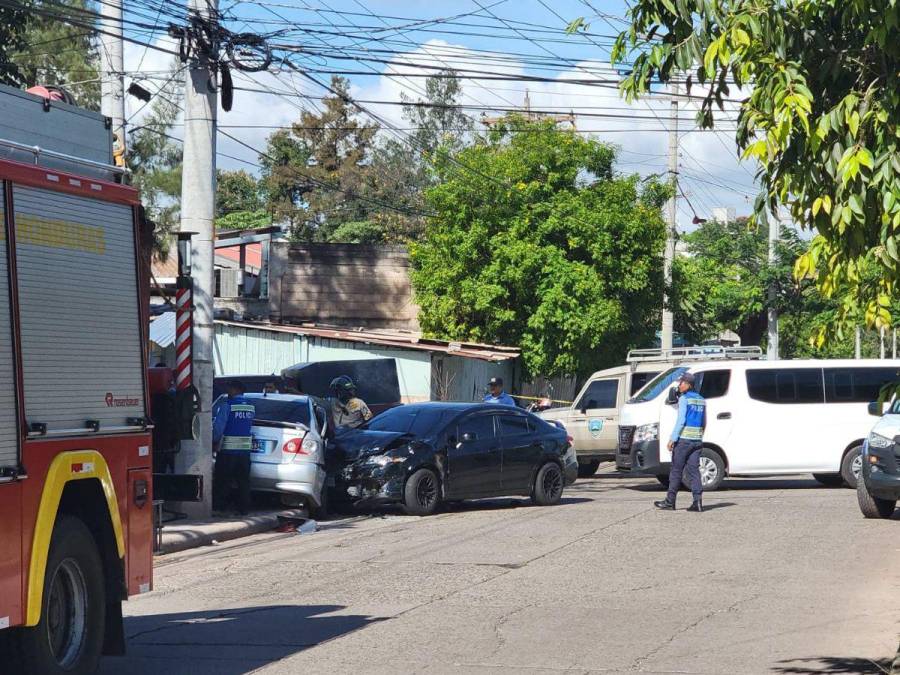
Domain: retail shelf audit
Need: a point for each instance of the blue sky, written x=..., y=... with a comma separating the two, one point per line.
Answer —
x=508, y=37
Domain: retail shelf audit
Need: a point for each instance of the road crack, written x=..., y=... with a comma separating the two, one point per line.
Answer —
x=638, y=662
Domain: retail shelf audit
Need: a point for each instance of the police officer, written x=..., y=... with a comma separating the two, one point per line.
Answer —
x=347, y=409
x=496, y=394
x=686, y=444
x=233, y=419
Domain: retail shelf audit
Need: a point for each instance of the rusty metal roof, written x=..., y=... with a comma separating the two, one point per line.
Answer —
x=388, y=338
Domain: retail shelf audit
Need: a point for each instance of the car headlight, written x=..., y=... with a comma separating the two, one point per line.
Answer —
x=646, y=432
x=384, y=460
x=879, y=441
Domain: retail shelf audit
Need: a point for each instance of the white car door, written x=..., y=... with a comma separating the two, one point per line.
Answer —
x=779, y=427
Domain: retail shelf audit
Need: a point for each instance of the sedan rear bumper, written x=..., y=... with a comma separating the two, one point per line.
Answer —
x=306, y=479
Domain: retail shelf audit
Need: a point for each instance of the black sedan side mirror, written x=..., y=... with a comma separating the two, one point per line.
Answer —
x=875, y=408
x=468, y=437
x=672, y=397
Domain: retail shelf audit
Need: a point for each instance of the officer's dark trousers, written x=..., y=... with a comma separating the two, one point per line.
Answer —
x=232, y=466
x=685, y=455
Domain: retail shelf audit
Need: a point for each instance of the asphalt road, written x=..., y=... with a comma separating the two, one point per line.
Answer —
x=778, y=576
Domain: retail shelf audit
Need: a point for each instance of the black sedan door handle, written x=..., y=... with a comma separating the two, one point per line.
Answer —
x=723, y=416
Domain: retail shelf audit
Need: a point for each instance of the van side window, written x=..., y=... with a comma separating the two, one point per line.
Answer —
x=600, y=394
x=856, y=385
x=786, y=385
x=714, y=383
x=638, y=380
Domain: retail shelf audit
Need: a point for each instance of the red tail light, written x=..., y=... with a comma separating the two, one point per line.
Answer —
x=295, y=447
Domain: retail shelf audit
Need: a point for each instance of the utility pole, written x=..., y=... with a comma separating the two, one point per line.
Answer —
x=772, y=313
x=857, y=350
x=198, y=194
x=671, y=232
x=112, y=73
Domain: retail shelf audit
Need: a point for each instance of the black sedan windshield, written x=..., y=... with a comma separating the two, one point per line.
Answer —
x=416, y=420
x=273, y=410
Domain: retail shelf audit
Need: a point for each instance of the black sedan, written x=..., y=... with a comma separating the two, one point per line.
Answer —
x=421, y=454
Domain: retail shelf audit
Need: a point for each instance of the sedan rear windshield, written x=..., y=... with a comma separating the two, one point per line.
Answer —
x=270, y=410
x=658, y=385
x=411, y=420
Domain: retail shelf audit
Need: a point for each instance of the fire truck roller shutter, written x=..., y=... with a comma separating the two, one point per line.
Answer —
x=8, y=445
x=78, y=310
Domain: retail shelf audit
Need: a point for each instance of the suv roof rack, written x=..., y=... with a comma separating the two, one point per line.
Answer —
x=697, y=353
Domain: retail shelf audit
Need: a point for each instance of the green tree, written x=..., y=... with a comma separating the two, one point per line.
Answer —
x=539, y=244
x=12, y=39
x=722, y=282
x=285, y=182
x=154, y=158
x=402, y=169
x=239, y=202
x=330, y=187
x=58, y=53
x=821, y=117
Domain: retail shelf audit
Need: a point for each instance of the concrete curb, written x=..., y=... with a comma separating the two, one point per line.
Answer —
x=186, y=534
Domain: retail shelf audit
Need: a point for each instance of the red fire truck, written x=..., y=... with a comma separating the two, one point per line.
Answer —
x=75, y=459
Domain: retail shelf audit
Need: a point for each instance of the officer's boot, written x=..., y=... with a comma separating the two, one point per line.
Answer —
x=665, y=505
x=697, y=506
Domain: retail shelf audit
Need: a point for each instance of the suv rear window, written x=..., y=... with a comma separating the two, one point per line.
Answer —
x=786, y=385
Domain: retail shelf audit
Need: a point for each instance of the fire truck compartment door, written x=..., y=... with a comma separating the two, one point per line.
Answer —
x=79, y=314
x=9, y=451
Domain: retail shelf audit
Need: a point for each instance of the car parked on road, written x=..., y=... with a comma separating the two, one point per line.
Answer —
x=421, y=454
x=764, y=418
x=878, y=487
x=288, y=457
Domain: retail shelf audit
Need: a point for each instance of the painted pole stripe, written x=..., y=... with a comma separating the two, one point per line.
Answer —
x=183, y=342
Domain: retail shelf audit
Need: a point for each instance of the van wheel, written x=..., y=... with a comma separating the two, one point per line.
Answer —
x=548, y=485
x=829, y=479
x=873, y=507
x=422, y=493
x=69, y=636
x=851, y=466
x=712, y=471
x=589, y=469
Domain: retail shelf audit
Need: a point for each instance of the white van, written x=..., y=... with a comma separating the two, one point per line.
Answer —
x=763, y=418
x=593, y=419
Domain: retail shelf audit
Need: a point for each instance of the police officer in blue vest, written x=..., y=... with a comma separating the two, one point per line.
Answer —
x=232, y=421
x=686, y=444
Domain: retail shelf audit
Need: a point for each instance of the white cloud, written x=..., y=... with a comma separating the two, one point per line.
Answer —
x=710, y=174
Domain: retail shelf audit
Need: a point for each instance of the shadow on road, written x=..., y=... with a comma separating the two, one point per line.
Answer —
x=748, y=484
x=833, y=665
x=227, y=642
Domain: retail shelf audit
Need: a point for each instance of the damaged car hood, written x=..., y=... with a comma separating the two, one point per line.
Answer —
x=355, y=443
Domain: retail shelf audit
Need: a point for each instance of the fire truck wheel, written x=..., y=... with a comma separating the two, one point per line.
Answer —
x=69, y=637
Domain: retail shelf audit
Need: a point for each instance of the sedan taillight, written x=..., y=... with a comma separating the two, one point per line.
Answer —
x=296, y=446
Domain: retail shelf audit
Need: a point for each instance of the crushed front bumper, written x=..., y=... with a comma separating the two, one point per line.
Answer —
x=376, y=484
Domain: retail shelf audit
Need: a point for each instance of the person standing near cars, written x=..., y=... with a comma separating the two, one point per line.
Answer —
x=496, y=394
x=232, y=422
x=686, y=444
x=347, y=409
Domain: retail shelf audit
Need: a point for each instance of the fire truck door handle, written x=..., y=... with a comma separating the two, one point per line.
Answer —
x=723, y=416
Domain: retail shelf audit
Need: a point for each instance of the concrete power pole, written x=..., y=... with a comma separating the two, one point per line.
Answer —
x=772, y=351
x=112, y=70
x=671, y=232
x=198, y=195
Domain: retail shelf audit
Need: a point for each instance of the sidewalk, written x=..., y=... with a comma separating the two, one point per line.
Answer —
x=180, y=535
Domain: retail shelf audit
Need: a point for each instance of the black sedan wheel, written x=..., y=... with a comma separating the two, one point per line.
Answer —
x=422, y=493
x=548, y=485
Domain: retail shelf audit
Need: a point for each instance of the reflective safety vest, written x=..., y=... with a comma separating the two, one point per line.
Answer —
x=236, y=436
x=691, y=417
